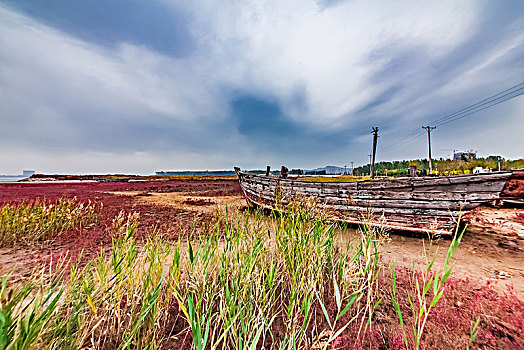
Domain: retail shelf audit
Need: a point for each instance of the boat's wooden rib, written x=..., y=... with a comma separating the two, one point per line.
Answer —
x=429, y=204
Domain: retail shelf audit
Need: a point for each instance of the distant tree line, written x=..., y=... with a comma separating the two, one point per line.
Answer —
x=401, y=168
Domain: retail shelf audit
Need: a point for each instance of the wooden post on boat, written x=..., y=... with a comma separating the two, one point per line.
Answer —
x=268, y=169
x=283, y=171
x=375, y=136
x=412, y=171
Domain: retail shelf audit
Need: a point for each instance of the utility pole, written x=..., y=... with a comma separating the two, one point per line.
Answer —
x=352, y=173
x=429, y=128
x=375, y=137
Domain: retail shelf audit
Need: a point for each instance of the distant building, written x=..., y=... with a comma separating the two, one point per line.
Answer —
x=480, y=170
x=465, y=156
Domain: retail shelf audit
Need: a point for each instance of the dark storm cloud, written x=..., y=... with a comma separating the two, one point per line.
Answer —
x=148, y=23
x=265, y=126
x=262, y=121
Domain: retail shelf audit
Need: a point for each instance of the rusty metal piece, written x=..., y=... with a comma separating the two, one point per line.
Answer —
x=514, y=187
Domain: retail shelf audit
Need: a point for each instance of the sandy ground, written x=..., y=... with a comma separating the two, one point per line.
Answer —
x=479, y=258
x=187, y=200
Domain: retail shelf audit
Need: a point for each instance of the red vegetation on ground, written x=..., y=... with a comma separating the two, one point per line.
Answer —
x=168, y=220
x=449, y=324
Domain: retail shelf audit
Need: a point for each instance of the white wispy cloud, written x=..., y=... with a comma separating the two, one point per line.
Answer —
x=278, y=48
x=127, y=76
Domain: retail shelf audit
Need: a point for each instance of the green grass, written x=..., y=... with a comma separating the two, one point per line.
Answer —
x=40, y=220
x=246, y=281
x=243, y=281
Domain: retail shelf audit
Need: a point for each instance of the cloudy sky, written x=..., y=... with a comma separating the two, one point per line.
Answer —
x=142, y=85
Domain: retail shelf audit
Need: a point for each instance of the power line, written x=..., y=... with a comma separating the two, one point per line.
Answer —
x=393, y=146
x=491, y=101
x=482, y=103
x=464, y=114
x=403, y=140
x=478, y=110
x=415, y=133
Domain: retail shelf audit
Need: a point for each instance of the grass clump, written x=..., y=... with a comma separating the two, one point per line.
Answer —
x=428, y=286
x=251, y=281
x=41, y=220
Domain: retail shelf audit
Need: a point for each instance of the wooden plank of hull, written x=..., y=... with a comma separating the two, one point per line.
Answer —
x=442, y=225
x=401, y=183
x=427, y=225
x=404, y=217
x=490, y=185
x=390, y=209
x=415, y=204
x=462, y=196
x=468, y=195
x=494, y=184
x=379, y=203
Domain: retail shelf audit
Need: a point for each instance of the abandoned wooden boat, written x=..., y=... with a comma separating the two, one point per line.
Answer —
x=420, y=204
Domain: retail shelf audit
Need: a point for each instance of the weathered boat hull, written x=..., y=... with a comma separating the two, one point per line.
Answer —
x=428, y=204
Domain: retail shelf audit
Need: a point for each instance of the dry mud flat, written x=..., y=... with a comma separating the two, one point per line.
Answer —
x=488, y=253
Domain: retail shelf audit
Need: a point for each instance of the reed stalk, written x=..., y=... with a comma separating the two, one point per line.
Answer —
x=41, y=220
x=249, y=282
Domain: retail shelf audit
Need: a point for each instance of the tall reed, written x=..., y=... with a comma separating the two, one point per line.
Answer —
x=248, y=282
x=40, y=220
